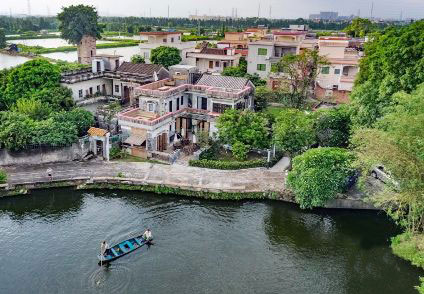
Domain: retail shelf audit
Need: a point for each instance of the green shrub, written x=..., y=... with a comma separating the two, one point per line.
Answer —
x=3, y=176
x=117, y=153
x=319, y=174
x=240, y=151
x=228, y=165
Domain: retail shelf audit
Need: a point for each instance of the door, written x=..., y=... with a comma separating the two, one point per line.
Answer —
x=170, y=106
x=99, y=67
x=210, y=64
x=104, y=89
x=126, y=94
x=204, y=103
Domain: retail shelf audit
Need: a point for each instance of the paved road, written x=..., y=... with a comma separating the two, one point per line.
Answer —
x=258, y=179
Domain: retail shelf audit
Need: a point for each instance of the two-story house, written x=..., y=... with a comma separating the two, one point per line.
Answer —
x=173, y=108
x=213, y=60
x=169, y=39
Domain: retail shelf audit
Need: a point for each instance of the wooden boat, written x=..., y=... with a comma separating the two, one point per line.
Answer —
x=122, y=249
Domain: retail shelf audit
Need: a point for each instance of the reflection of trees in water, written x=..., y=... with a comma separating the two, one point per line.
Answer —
x=354, y=242
x=52, y=204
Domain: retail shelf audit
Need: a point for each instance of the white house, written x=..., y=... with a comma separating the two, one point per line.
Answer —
x=213, y=60
x=169, y=39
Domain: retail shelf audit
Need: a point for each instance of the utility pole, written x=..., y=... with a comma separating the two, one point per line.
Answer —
x=259, y=10
x=372, y=9
x=401, y=14
x=168, y=10
x=29, y=7
x=270, y=12
x=150, y=12
x=359, y=12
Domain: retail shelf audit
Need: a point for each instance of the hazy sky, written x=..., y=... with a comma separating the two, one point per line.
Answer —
x=178, y=8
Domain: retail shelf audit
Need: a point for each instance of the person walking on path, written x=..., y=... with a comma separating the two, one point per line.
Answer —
x=49, y=172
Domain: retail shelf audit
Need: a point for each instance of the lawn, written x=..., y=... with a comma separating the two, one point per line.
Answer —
x=274, y=110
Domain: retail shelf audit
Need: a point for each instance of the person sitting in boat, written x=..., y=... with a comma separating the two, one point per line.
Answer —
x=104, y=248
x=147, y=235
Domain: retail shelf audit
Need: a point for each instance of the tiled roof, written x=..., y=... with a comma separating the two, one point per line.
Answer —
x=289, y=33
x=97, y=132
x=223, y=82
x=139, y=68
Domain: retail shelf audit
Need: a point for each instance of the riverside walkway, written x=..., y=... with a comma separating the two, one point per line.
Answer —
x=247, y=180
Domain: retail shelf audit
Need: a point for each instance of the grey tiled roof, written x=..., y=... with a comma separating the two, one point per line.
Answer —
x=223, y=82
x=140, y=68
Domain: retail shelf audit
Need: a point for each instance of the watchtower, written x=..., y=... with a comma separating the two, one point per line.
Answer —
x=86, y=49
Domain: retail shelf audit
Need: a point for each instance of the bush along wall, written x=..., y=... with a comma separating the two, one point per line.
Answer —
x=228, y=165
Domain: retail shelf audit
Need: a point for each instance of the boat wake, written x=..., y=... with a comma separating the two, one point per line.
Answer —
x=114, y=278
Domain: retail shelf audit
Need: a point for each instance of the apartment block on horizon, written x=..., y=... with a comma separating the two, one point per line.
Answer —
x=213, y=60
x=169, y=39
x=177, y=108
x=335, y=81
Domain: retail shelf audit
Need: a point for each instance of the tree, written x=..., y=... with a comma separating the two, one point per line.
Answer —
x=166, y=56
x=28, y=78
x=58, y=97
x=241, y=71
x=56, y=133
x=245, y=127
x=293, y=131
x=240, y=151
x=392, y=62
x=319, y=174
x=33, y=108
x=137, y=59
x=360, y=27
x=77, y=21
x=2, y=39
x=4, y=77
x=333, y=126
x=300, y=72
x=17, y=130
x=78, y=117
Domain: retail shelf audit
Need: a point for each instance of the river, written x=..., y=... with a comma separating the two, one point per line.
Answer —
x=49, y=241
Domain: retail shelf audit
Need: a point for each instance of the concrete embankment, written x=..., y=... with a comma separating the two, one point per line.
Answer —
x=258, y=183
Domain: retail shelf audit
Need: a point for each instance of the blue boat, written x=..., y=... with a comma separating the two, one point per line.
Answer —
x=123, y=248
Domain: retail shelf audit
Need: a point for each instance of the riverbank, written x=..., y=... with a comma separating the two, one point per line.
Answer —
x=255, y=183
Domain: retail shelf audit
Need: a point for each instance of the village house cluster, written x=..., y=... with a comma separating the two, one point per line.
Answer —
x=166, y=106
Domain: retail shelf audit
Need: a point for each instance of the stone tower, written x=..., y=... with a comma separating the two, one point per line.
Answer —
x=86, y=49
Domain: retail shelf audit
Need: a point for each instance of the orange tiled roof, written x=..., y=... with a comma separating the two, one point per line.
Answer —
x=97, y=132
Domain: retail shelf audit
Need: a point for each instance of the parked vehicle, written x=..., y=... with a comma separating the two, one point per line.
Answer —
x=380, y=173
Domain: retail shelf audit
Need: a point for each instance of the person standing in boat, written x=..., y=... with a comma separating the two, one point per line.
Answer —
x=147, y=235
x=104, y=248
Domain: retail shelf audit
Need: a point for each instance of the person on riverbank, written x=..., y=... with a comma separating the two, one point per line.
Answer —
x=147, y=235
x=49, y=172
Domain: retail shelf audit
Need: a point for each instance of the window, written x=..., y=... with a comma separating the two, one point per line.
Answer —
x=91, y=91
x=335, y=87
x=182, y=100
x=179, y=38
x=261, y=67
x=146, y=55
x=165, y=40
x=170, y=106
x=337, y=71
x=80, y=93
x=116, y=63
x=216, y=63
x=204, y=103
x=178, y=104
x=117, y=88
x=325, y=70
x=172, y=40
x=220, y=108
x=98, y=89
x=262, y=51
x=210, y=64
x=150, y=107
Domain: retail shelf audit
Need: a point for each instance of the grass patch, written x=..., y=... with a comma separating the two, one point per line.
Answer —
x=275, y=110
x=410, y=247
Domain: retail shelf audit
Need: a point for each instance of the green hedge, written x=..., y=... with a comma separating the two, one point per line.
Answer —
x=3, y=176
x=228, y=165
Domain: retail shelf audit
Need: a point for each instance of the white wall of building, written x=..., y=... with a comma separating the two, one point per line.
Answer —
x=80, y=89
x=253, y=59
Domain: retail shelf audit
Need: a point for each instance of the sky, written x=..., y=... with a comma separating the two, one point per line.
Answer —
x=245, y=8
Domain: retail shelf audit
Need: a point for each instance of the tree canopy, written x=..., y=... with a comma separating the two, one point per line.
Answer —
x=319, y=174
x=293, y=131
x=300, y=72
x=393, y=62
x=2, y=39
x=166, y=56
x=76, y=21
x=241, y=71
x=137, y=59
x=246, y=127
x=333, y=126
x=360, y=27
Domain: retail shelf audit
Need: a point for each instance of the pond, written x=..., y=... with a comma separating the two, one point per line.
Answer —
x=50, y=239
x=47, y=43
x=126, y=52
x=7, y=61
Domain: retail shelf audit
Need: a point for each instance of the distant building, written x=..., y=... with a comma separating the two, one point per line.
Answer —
x=211, y=17
x=213, y=60
x=325, y=15
x=169, y=39
x=303, y=28
x=335, y=81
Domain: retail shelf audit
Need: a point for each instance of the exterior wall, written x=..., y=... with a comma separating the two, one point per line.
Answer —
x=86, y=50
x=44, y=155
x=254, y=59
x=203, y=64
x=332, y=52
x=85, y=87
x=337, y=96
x=184, y=47
x=343, y=80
